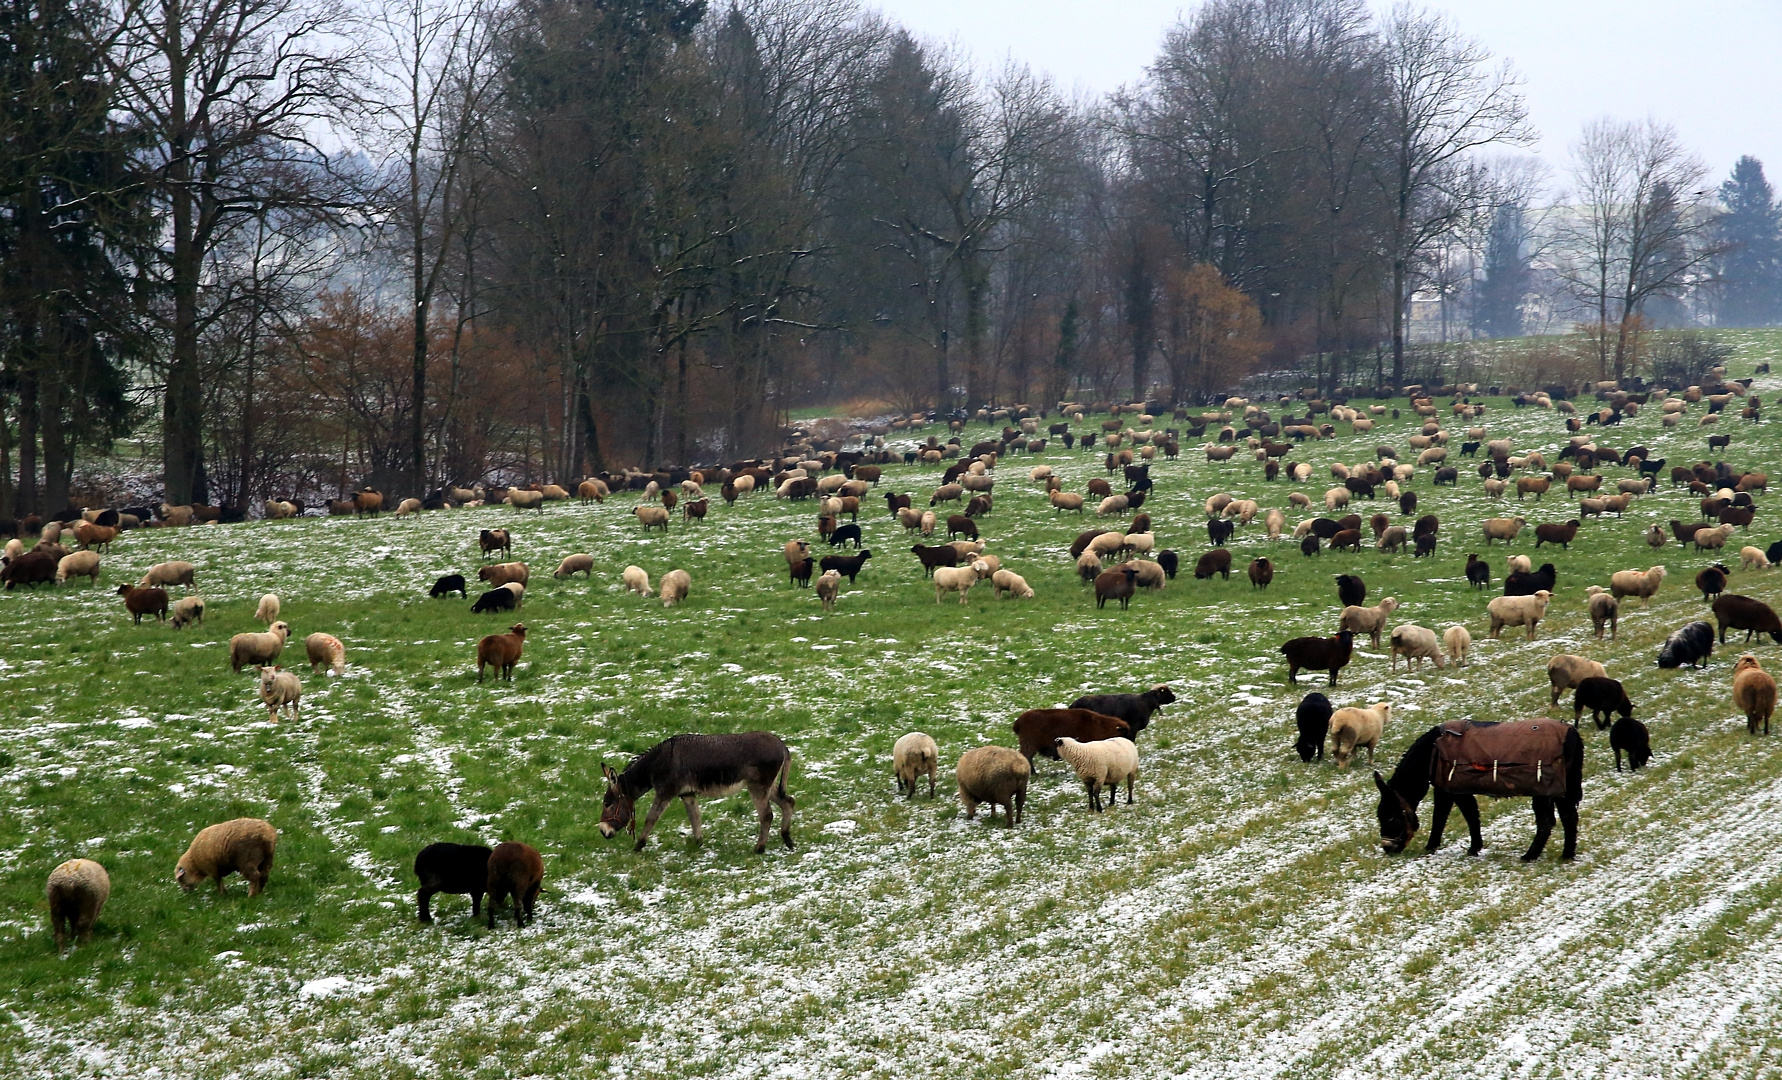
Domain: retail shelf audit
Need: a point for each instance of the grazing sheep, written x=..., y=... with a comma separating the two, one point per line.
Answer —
x=279, y=689
x=1643, y=584
x=1691, y=644
x=500, y=574
x=1261, y=573
x=1065, y=500
x=1711, y=580
x=913, y=755
x=495, y=600
x=1518, y=564
x=1504, y=529
x=652, y=517
x=1103, y=763
x=1604, y=610
x=1754, y=693
x=1353, y=728
x=1735, y=612
x=1367, y=620
x=828, y=588
x=267, y=611
x=515, y=870
x=1566, y=671
x=674, y=587
x=1007, y=581
x=1319, y=654
x=459, y=869
x=186, y=611
x=169, y=573
x=501, y=651
x=591, y=491
x=1750, y=558
x=1351, y=590
x=996, y=776
x=325, y=650
x=575, y=564
x=1313, y=719
x=243, y=846
x=1217, y=561
x=637, y=581
x=1169, y=561
x=521, y=499
x=1413, y=641
x=77, y=892
x=79, y=564
x=1119, y=584
x=1603, y=696
x=1459, y=642
x=958, y=579
x=1134, y=709
x=1631, y=736
x=1036, y=730
x=493, y=540
x=448, y=584
x=255, y=650
x=1518, y=611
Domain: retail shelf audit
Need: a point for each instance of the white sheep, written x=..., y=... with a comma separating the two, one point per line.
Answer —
x=1145, y=542
x=913, y=755
x=278, y=689
x=1007, y=581
x=1750, y=558
x=1518, y=611
x=86, y=564
x=1103, y=763
x=1411, y=640
x=1459, y=642
x=675, y=586
x=1604, y=610
x=267, y=612
x=1108, y=543
x=1353, y=728
x=828, y=588
x=185, y=611
x=1367, y=620
x=958, y=579
x=1565, y=671
x=252, y=650
x=325, y=650
x=1113, y=504
x=1518, y=564
x=575, y=564
x=635, y=580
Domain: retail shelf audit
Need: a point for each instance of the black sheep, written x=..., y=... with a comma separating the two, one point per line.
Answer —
x=1324, y=528
x=1711, y=581
x=1313, y=716
x=1219, y=530
x=1169, y=561
x=1478, y=572
x=450, y=583
x=1735, y=612
x=1523, y=583
x=1692, y=644
x=1631, y=736
x=1603, y=697
x=1774, y=554
x=502, y=599
x=849, y=566
x=1135, y=709
x=462, y=869
x=1446, y=475
x=1426, y=545
x=1407, y=503
x=843, y=534
x=1309, y=546
x=1330, y=654
x=800, y=572
x=1351, y=590
x=931, y=557
x=1427, y=525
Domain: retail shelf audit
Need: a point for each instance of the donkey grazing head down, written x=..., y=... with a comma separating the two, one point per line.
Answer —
x=615, y=808
x=1398, y=818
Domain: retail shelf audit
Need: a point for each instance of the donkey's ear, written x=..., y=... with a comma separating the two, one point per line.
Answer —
x=1380, y=782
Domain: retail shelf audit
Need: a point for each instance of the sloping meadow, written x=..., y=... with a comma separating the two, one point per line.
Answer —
x=1237, y=920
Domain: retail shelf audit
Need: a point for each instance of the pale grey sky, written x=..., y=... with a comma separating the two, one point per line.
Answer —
x=1713, y=68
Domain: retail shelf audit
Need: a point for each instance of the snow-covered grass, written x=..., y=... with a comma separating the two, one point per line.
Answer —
x=1239, y=920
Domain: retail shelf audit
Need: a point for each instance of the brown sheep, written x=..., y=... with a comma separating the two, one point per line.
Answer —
x=1504, y=529
x=140, y=602
x=1754, y=693
x=515, y=870
x=993, y=775
x=1262, y=572
x=499, y=574
x=1037, y=729
x=501, y=651
x=1217, y=561
x=243, y=846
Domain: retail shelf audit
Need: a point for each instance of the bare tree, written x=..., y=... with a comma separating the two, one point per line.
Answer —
x=434, y=61
x=1440, y=107
x=1640, y=227
x=229, y=96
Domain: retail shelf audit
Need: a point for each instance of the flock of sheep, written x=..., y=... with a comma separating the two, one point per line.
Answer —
x=1096, y=736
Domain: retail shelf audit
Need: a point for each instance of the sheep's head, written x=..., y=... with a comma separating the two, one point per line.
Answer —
x=183, y=875
x=281, y=628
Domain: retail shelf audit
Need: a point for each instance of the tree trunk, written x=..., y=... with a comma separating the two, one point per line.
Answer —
x=1399, y=303
x=417, y=431
x=25, y=496
x=55, y=445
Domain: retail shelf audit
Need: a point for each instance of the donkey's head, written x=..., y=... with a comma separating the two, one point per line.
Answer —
x=615, y=808
x=1398, y=818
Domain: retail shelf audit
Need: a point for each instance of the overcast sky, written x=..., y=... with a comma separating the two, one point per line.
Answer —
x=1713, y=68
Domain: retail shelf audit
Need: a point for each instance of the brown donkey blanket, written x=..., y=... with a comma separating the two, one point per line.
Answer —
x=1522, y=757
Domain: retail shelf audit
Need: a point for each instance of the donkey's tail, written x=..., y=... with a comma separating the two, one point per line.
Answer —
x=780, y=779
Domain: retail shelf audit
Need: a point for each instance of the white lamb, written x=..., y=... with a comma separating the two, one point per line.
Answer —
x=958, y=579
x=1413, y=641
x=636, y=580
x=913, y=755
x=1351, y=729
x=1103, y=763
x=1459, y=641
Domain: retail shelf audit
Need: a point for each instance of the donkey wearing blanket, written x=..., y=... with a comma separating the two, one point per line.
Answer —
x=1543, y=759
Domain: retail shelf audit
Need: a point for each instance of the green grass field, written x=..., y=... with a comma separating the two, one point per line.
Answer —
x=1239, y=920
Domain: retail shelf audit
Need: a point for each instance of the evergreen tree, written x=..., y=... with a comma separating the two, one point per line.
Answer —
x=1498, y=312
x=1751, y=269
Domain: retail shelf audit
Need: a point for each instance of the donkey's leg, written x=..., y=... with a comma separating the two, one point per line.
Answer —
x=1438, y=818
x=657, y=805
x=1568, y=817
x=692, y=804
x=1543, y=811
x=763, y=818
x=1469, y=809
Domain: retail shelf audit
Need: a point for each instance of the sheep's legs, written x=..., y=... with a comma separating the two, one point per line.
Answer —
x=1543, y=811
x=1129, y=781
x=692, y=805
x=422, y=899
